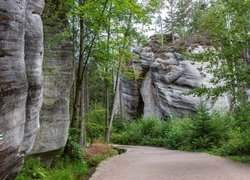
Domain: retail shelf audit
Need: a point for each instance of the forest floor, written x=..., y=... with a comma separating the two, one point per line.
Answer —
x=150, y=163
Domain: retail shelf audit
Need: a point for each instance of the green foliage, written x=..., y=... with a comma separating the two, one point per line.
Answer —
x=73, y=149
x=200, y=132
x=202, y=129
x=55, y=24
x=147, y=131
x=94, y=122
x=238, y=142
x=180, y=16
x=216, y=132
x=243, y=159
x=178, y=133
x=227, y=24
x=242, y=114
x=65, y=169
x=32, y=169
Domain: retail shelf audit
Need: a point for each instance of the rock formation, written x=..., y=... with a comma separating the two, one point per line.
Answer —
x=58, y=72
x=54, y=120
x=165, y=77
x=21, y=54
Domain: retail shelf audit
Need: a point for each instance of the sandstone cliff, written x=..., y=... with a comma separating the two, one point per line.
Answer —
x=54, y=118
x=165, y=77
x=21, y=54
x=58, y=70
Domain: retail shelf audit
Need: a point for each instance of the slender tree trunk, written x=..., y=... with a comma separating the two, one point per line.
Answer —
x=120, y=101
x=107, y=111
x=117, y=84
x=82, y=118
x=107, y=119
x=79, y=80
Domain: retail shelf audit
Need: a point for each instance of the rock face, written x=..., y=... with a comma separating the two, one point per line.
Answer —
x=54, y=120
x=165, y=76
x=58, y=71
x=21, y=54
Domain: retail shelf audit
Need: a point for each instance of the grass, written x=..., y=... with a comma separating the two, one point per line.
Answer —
x=66, y=168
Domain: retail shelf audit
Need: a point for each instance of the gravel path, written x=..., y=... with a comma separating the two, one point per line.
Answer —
x=148, y=163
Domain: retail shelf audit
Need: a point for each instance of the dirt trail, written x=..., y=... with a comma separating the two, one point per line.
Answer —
x=148, y=163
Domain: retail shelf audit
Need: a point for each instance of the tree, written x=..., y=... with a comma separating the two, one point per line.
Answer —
x=179, y=16
x=227, y=23
x=103, y=40
x=171, y=19
x=112, y=50
x=184, y=16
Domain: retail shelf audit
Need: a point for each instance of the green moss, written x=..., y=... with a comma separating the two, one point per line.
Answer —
x=49, y=101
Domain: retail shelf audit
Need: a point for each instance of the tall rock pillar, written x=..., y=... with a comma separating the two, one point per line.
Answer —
x=21, y=54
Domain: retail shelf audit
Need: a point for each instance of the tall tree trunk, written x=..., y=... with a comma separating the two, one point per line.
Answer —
x=83, y=61
x=117, y=84
x=107, y=120
x=79, y=78
x=82, y=118
x=107, y=111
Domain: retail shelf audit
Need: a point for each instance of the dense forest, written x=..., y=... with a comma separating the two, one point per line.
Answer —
x=160, y=73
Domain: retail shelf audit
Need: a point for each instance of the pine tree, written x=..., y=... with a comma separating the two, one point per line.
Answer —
x=201, y=128
x=171, y=19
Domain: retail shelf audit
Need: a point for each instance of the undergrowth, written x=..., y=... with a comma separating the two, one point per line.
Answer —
x=64, y=169
x=67, y=168
x=218, y=133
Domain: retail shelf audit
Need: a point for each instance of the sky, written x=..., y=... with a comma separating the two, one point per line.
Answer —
x=152, y=29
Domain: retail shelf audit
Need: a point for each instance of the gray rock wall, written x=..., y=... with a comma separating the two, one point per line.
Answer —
x=21, y=54
x=58, y=78
x=166, y=76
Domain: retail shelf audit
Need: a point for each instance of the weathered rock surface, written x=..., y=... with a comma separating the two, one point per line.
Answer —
x=58, y=71
x=54, y=120
x=21, y=54
x=166, y=76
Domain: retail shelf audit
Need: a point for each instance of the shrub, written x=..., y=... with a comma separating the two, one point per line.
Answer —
x=217, y=132
x=178, y=133
x=238, y=133
x=73, y=149
x=238, y=143
x=145, y=131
